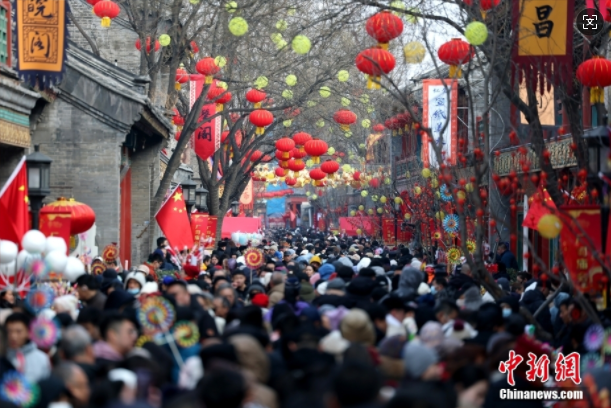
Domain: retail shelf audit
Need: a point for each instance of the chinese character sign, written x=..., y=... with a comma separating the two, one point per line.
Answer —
x=544, y=40
x=41, y=40
x=208, y=136
x=440, y=108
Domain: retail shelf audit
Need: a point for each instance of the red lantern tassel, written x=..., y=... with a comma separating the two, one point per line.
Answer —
x=260, y=131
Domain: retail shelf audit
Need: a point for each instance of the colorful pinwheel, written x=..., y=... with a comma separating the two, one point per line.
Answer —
x=450, y=223
x=454, y=254
x=471, y=246
x=444, y=193
x=594, y=338
x=186, y=334
x=254, y=258
x=44, y=332
x=17, y=389
x=156, y=315
x=39, y=298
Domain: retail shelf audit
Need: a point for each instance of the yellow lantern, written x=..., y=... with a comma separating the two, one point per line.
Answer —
x=345, y=101
x=434, y=183
x=469, y=187
x=380, y=210
x=417, y=190
x=361, y=207
x=370, y=211
x=364, y=193
x=383, y=199
x=164, y=40
x=331, y=151
x=426, y=173
x=310, y=104
x=231, y=6
x=343, y=75
x=476, y=33
x=359, y=231
x=281, y=44
x=314, y=197
x=325, y=91
x=308, y=193
x=549, y=226
x=220, y=61
x=238, y=26
x=301, y=44
x=461, y=195
x=287, y=94
x=261, y=82
x=387, y=181
x=276, y=37
x=407, y=216
x=348, y=134
x=287, y=123
x=281, y=25
x=291, y=80
x=320, y=123
x=398, y=200
x=366, y=123
x=440, y=215
x=414, y=52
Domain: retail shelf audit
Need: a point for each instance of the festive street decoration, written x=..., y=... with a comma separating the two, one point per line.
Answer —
x=148, y=45
x=384, y=27
x=455, y=53
x=414, y=52
x=254, y=258
x=316, y=148
x=106, y=10
x=186, y=334
x=595, y=73
x=182, y=77
x=476, y=33
x=82, y=216
x=261, y=118
x=208, y=68
x=255, y=97
x=375, y=62
x=345, y=118
x=156, y=315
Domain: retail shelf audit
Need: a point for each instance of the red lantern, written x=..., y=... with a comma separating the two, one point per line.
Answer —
x=374, y=62
x=595, y=73
x=93, y=2
x=261, y=118
x=296, y=165
x=82, y=216
x=345, y=118
x=256, y=155
x=282, y=160
x=356, y=176
x=378, y=128
x=374, y=183
x=224, y=135
x=208, y=68
x=290, y=181
x=404, y=120
x=194, y=47
x=177, y=135
x=280, y=172
x=219, y=95
x=255, y=96
x=178, y=120
x=285, y=145
x=300, y=139
x=148, y=45
x=330, y=167
x=316, y=148
x=298, y=154
x=484, y=5
x=182, y=77
x=106, y=10
x=384, y=26
x=318, y=176
x=455, y=53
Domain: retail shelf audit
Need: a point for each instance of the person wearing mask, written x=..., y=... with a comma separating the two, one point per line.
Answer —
x=134, y=282
x=22, y=353
x=89, y=294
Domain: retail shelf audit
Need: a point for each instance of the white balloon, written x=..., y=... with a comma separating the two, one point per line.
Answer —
x=57, y=261
x=55, y=244
x=8, y=269
x=8, y=251
x=74, y=269
x=24, y=257
x=34, y=242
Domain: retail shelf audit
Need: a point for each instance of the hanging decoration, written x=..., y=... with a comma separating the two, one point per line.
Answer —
x=345, y=118
x=301, y=44
x=82, y=216
x=330, y=167
x=595, y=73
x=343, y=76
x=300, y=139
x=41, y=40
x=285, y=145
x=106, y=10
x=384, y=27
x=484, y=5
x=454, y=254
x=455, y=53
x=238, y=26
x=165, y=40
x=182, y=77
x=476, y=33
x=414, y=52
x=318, y=176
x=148, y=45
x=374, y=62
x=256, y=97
x=543, y=49
x=261, y=118
x=450, y=223
x=208, y=68
x=316, y=148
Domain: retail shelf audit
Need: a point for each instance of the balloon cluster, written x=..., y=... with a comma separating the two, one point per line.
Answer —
x=242, y=239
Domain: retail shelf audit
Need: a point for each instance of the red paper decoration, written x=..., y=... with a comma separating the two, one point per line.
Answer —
x=261, y=118
x=285, y=145
x=316, y=148
x=178, y=120
x=300, y=139
x=208, y=68
x=255, y=96
x=106, y=10
x=345, y=118
x=595, y=73
x=148, y=45
x=182, y=77
x=330, y=167
x=455, y=53
x=279, y=172
x=256, y=155
x=82, y=216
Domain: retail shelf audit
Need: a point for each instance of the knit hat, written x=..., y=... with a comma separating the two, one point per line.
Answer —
x=473, y=299
x=137, y=276
x=356, y=327
x=325, y=271
x=144, y=269
x=149, y=287
x=417, y=358
x=316, y=258
x=334, y=344
x=337, y=284
x=117, y=299
x=261, y=300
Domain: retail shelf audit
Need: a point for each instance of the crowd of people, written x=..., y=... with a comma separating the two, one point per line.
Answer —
x=322, y=321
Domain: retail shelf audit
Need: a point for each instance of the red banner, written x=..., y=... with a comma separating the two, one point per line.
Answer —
x=56, y=224
x=580, y=236
x=211, y=232
x=199, y=226
x=388, y=231
x=208, y=136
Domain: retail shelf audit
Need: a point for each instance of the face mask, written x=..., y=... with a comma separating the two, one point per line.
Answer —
x=433, y=290
x=133, y=291
x=506, y=312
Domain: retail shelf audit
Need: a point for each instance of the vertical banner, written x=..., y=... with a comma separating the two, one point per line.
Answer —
x=199, y=227
x=388, y=230
x=580, y=236
x=207, y=137
x=56, y=223
x=543, y=50
x=41, y=31
x=246, y=199
x=440, y=99
x=211, y=232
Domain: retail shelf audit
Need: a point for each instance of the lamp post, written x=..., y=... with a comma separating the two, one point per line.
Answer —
x=201, y=199
x=597, y=141
x=188, y=192
x=39, y=179
x=235, y=208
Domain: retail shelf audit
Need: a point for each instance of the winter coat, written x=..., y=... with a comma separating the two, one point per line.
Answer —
x=276, y=294
x=508, y=259
x=35, y=364
x=410, y=280
x=532, y=300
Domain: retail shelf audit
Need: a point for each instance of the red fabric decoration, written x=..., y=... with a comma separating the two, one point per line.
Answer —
x=455, y=53
x=261, y=118
x=256, y=155
x=595, y=73
x=182, y=77
x=374, y=62
x=384, y=26
x=296, y=165
x=148, y=45
x=316, y=148
x=280, y=172
x=345, y=118
x=106, y=10
x=208, y=68
x=255, y=96
x=82, y=216
x=330, y=167
x=177, y=119
x=194, y=47
x=285, y=145
x=290, y=181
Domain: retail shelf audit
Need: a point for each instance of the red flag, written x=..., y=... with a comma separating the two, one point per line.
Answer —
x=540, y=205
x=14, y=211
x=173, y=220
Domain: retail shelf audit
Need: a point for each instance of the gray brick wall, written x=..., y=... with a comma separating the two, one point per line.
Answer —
x=9, y=158
x=115, y=43
x=86, y=163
